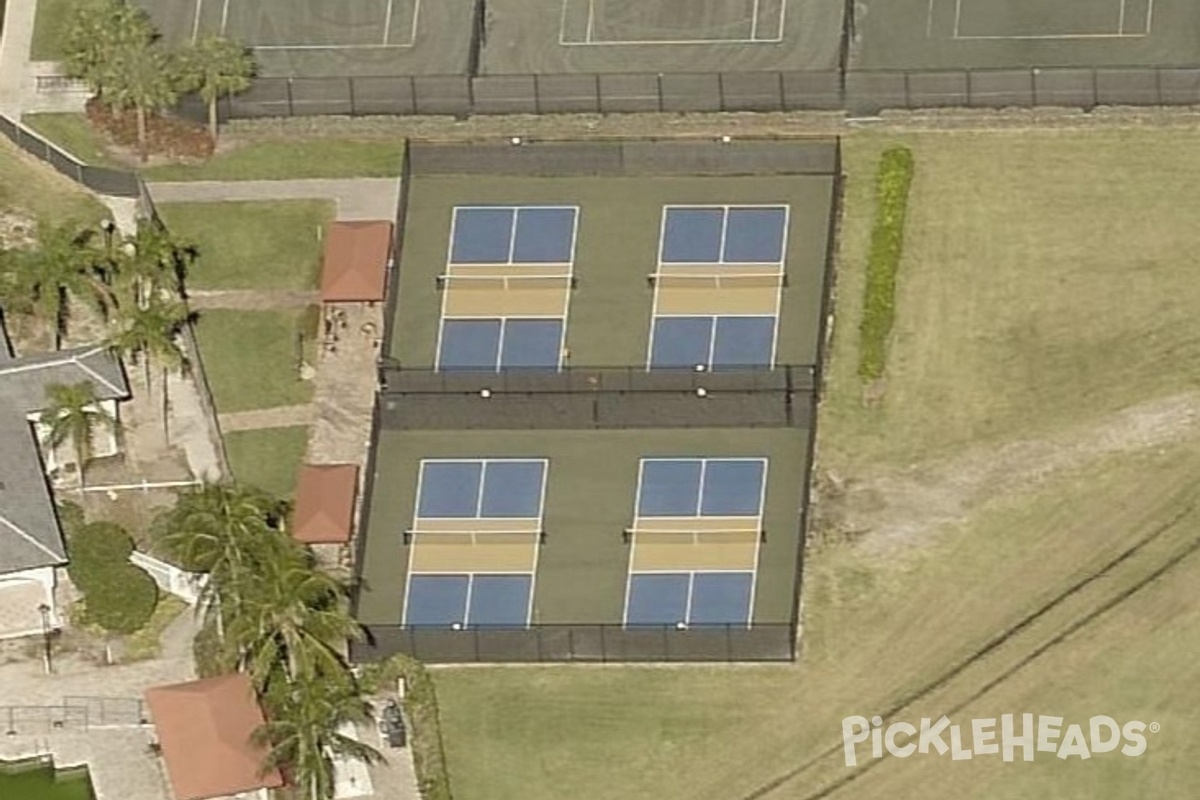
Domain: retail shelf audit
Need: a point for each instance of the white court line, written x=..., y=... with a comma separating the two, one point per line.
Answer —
x=590, y=41
x=929, y=20
x=196, y=22
x=387, y=22
x=331, y=46
x=224, y=16
x=1119, y=34
x=754, y=21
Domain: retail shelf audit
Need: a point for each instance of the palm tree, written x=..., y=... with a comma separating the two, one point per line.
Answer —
x=141, y=78
x=64, y=265
x=293, y=622
x=304, y=736
x=74, y=412
x=95, y=31
x=151, y=332
x=155, y=261
x=217, y=67
x=227, y=531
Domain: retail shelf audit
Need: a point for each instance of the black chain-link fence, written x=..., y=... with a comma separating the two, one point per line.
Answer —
x=116, y=182
x=581, y=643
x=73, y=714
x=858, y=91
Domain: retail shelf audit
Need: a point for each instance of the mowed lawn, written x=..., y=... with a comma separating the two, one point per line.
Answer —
x=268, y=458
x=276, y=159
x=37, y=191
x=250, y=357
x=252, y=245
x=1048, y=281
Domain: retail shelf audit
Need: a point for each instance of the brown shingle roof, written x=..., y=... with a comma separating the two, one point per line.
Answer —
x=325, y=503
x=356, y=258
x=204, y=729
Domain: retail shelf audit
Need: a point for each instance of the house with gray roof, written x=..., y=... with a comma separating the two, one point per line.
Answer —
x=31, y=540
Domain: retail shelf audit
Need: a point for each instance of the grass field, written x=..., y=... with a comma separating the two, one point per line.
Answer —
x=1048, y=283
x=73, y=133
x=254, y=245
x=48, y=30
x=268, y=458
x=292, y=158
x=34, y=189
x=250, y=358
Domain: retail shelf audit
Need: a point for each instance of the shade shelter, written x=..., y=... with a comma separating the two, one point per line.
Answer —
x=354, y=269
x=325, y=503
x=205, y=730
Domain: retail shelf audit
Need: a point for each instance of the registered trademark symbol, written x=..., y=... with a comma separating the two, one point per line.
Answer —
x=1155, y=727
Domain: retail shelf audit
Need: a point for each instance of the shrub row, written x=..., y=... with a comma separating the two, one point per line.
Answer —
x=170, y=136
x=119, y=596
x=887, y=243
x=420, y=703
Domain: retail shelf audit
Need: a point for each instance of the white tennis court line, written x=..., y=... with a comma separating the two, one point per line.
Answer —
x=387, y=30
x=1120, y=33
x=590, y=41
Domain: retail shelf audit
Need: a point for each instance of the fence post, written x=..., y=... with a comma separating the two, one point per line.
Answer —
x=603, y=645
x=412, y=88
x=599, y=98
x=291, y=106
x=721, y=90
x=1158, y=85
x=350, y=89
x=1033, y=86
x=537, y=95
x=783, y=104
x=658, y=83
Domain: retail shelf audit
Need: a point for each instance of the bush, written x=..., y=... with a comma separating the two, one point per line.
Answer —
x=420, y=703
x=887, y=242
x=124, y=604
x=119, y=596
x=169, y=136
x=98, y=550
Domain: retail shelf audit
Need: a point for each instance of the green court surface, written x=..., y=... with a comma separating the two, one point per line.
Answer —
x=933, y=34
x=312, y=38
x=613, y=36
x=612, y=282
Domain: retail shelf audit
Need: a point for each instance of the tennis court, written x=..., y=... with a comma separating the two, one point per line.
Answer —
x=312, y=38
x=607, y=36
x=926, y=34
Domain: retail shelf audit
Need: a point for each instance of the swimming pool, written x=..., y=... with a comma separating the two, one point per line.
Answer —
x=39, y=782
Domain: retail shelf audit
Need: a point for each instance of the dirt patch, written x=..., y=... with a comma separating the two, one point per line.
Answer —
x=16, y=230
x=887, y=512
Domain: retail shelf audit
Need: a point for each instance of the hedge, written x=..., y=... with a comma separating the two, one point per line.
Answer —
x=120, y=597
x=887, y=243
x=420, y=703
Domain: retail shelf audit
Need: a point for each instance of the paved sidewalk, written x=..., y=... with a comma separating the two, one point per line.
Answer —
x=14, y=55
x=252, y=299
x=277, y=417
x=356, y=198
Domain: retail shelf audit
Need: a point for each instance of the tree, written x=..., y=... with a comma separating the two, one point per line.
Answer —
x=155, y=261
x=216, y=67
x=151, y=332
x=74, y=412
x=292, y=623
x=96, y=31
x=304, y=737
x=227, y=531
x=65, y=264
x=142, y=78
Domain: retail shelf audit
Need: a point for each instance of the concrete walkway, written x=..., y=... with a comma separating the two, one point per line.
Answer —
x=277, y=417
x=14, y=55
x=356, y=198
x=252, y=299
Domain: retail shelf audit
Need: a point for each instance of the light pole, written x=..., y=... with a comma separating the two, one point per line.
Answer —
x=44, y=610
x=109, y=227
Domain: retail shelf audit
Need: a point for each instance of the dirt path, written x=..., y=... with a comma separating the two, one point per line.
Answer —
x=889, y=511
x=278, y=417
x=252, y=299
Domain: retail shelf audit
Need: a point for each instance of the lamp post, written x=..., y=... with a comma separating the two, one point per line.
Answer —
x=44, y=610
x=109, y=228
